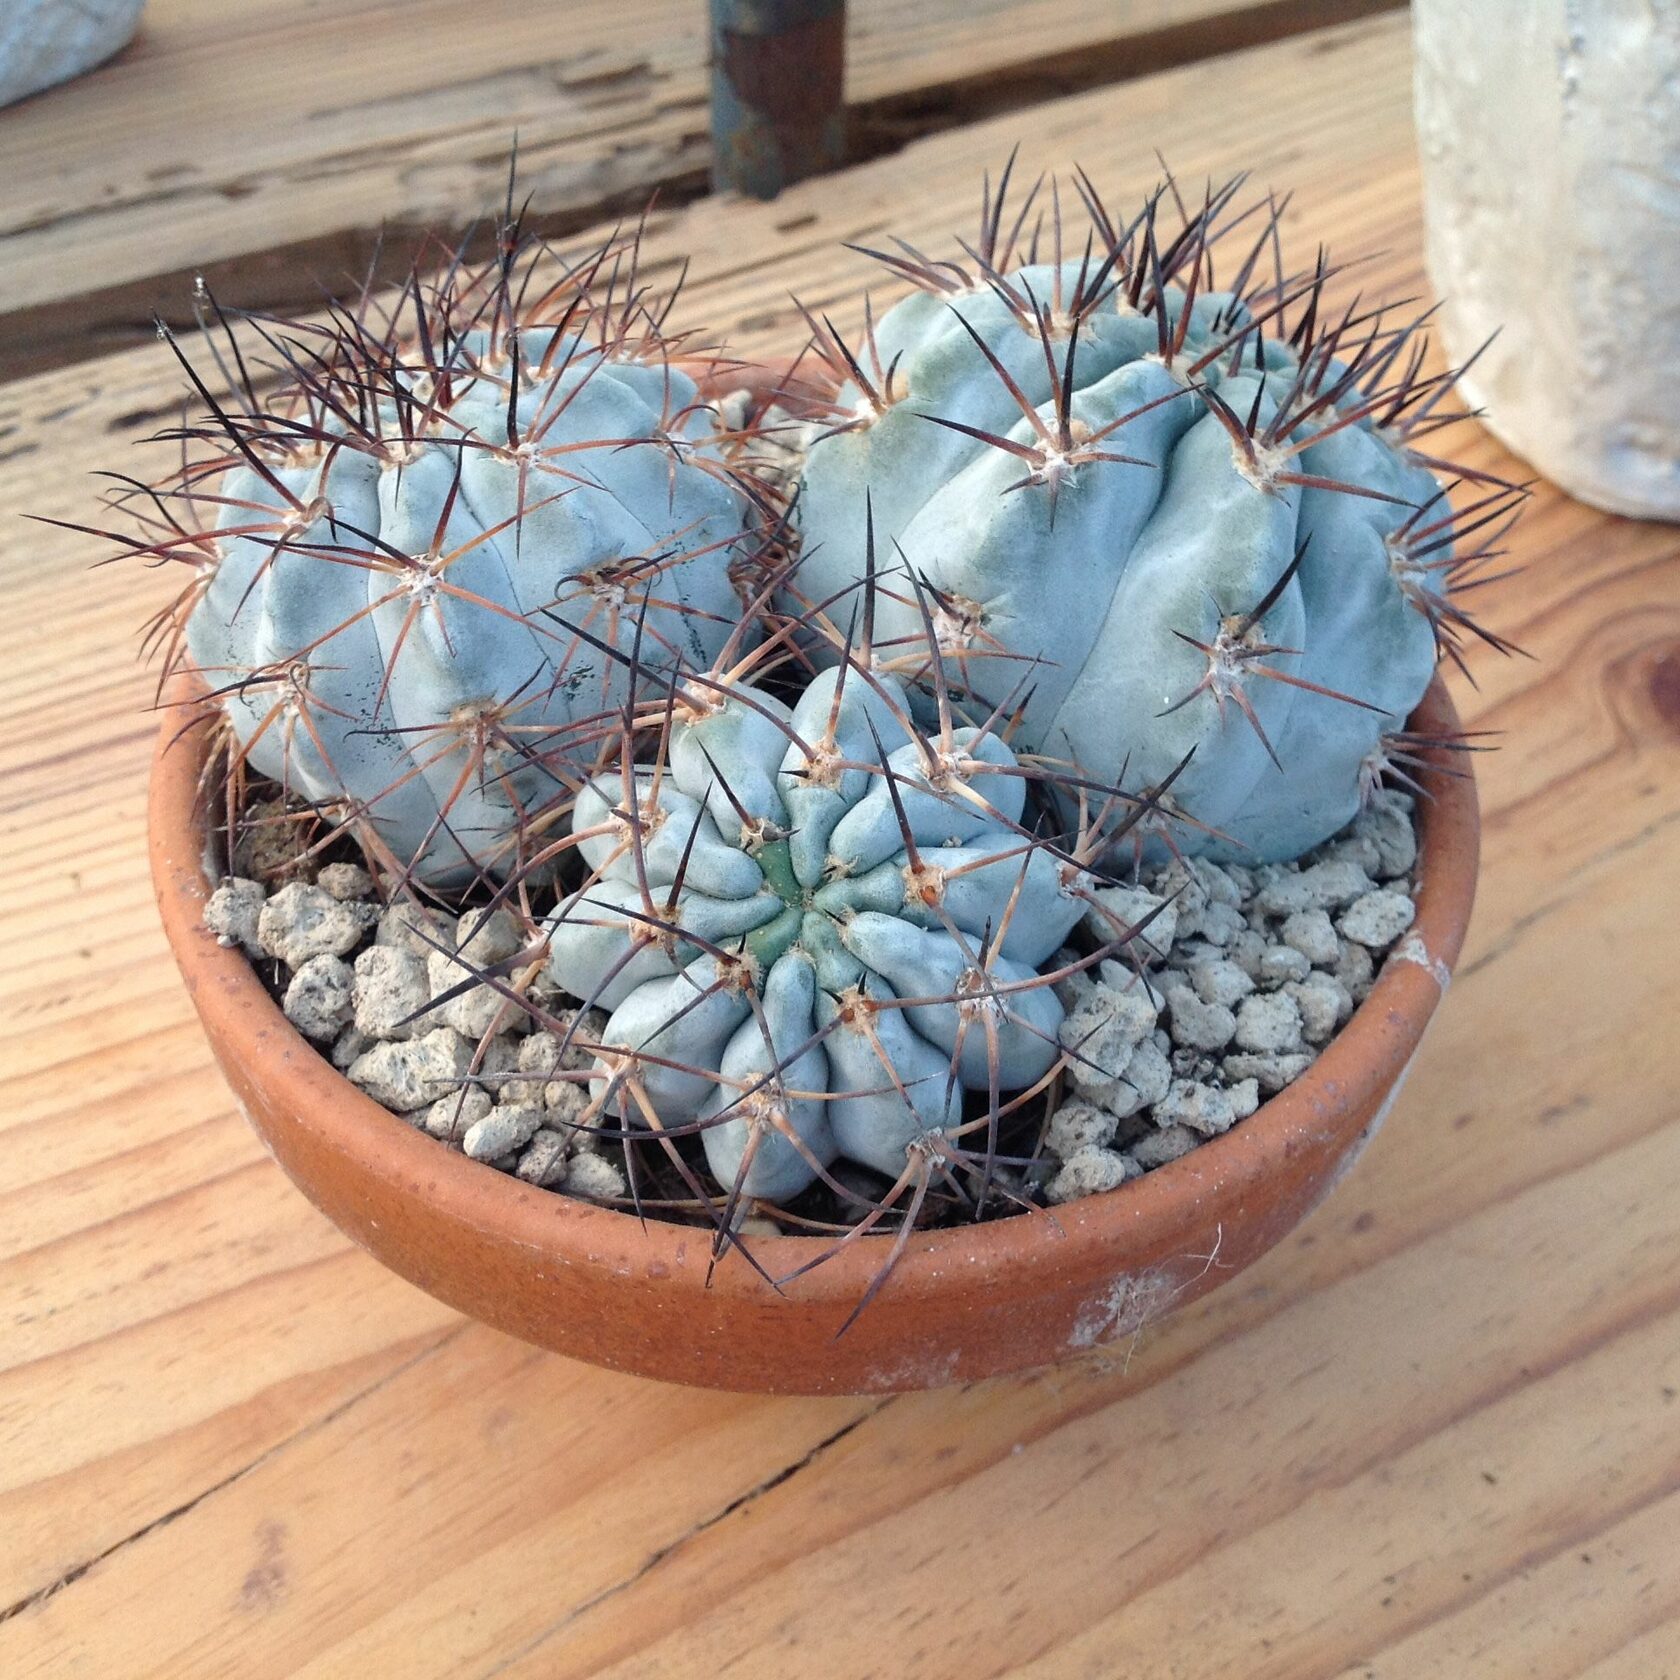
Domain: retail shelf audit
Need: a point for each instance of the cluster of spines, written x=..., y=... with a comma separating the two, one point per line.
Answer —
x=376, y=375
x=1352, y=368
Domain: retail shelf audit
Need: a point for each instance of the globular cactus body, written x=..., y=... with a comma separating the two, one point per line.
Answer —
x=1191, y=549
x=814, y=930
x=450, y=545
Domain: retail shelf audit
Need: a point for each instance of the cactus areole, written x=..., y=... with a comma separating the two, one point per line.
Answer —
x=1182, y=523
x=815, y=930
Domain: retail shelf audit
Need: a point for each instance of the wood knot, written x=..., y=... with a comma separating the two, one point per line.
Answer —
x=1665, y=688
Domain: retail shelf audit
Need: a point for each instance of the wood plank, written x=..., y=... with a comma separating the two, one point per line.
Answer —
x=234, y=1443
x=265, y=143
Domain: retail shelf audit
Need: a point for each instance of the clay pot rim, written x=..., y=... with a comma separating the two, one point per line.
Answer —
x=1359, y=1064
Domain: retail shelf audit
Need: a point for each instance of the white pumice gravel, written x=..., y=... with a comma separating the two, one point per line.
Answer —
x=413, y=1072
x=1322, y=1003
x=391, y=991
x=349, y=1045
x=1311, y=933
x=360, y=980
x=595, y=1177
x=345, y=881
x=301, y=921
x=413, y=927
x=1279, y=964
x=1197, y=1025
x=452, y=1117
x=1238, y=982
x=1320, y=886
x=1269, y=1023
x=317, y=1001
x=1218, y=980
x=232, y=911
x=1203, y=1107
x=1080, y=1125
x=543, y=1161
x=1086, y=1172
x=485, y=937
x=1356, y=969
x=507, y=1127
x=1134, y=907
x=1377, y=919
x=1270, y=1073
x=1170, y=1143
x=471, y=1008
x=1387, y=822
x=1255, y=970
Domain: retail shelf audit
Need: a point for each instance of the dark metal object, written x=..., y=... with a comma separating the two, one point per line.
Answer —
x=778, y=72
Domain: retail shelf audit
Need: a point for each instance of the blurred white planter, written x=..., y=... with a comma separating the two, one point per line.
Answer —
x=48, y=41
x=1550, y=136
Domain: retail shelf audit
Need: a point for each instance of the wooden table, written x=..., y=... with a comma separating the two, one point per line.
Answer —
x=1437, y=1434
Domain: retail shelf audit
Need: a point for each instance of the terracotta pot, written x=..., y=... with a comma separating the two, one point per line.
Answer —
x=963, y=1303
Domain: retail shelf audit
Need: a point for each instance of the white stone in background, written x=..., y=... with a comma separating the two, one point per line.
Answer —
x=1550, y=138
x=1101, y=1038
x=1197, y=1025
x=415, y=928
x=44, y=42
x=1280, y=964
x=1320, y=886
x=1386, y=822
x=1270, y=1072
x=1310, y=933
x=349, y=1045
x=1205, y=1109
x=1220, y=981
x=476, y=1010
x=1148, y=1073
x=1245, y=1097
x=1321, y=999
x=1355, y=969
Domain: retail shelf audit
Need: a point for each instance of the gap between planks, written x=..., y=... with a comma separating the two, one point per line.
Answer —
x=265, y=146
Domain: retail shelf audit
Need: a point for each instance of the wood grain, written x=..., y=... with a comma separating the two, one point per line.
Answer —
x=265, y=143
x=1436, y=1434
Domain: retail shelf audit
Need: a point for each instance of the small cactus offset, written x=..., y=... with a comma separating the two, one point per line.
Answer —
x=1188, y=517
x=819, y=930
x=427, y=564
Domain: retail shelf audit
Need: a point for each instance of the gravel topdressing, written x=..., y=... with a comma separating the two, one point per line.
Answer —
x=1240, y=977
x=1235, y=986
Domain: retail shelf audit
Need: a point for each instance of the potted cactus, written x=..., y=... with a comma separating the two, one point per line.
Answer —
x=782, y=864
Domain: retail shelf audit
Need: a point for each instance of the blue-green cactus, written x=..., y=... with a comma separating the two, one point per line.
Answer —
x=1189, y=536
x=437, y=554
x=815, y=929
